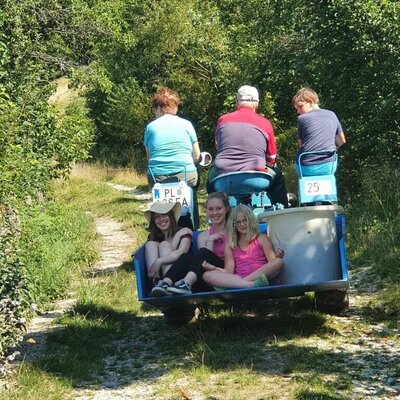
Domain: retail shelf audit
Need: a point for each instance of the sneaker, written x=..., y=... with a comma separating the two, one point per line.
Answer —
x=160, y=289
x=261, y=281
x=180, y=287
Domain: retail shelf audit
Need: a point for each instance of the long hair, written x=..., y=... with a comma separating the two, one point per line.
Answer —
x=225, y=201
x=155, y=234
x=253, y=229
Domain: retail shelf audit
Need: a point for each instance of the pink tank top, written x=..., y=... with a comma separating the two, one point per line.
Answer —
x=218, y=245
x=250, y=260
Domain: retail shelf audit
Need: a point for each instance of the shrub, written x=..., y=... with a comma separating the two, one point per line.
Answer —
x=13, y=283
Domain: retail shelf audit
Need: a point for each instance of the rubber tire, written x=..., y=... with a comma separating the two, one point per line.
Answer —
x=177, y=316
x=331, y=301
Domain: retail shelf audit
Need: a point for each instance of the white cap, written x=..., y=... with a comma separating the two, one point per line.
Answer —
x=247, y=93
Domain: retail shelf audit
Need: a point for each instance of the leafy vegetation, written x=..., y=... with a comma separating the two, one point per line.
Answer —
x=37, y=142
x=13, y=286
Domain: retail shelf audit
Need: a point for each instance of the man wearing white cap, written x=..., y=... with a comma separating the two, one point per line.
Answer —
x=245, y=141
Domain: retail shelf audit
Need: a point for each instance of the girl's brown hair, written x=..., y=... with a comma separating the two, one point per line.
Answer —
x=155, y=234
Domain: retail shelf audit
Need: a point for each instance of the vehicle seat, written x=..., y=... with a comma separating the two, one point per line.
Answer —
x=243, y=183
x=317, y=189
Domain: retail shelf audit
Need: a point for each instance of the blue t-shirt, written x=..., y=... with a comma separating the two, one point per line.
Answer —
x=317, y=130
x=169, y=140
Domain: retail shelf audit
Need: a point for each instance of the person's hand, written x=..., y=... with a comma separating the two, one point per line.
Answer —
x=279, y=253
x=216, y=236
x=208, y=267
x=185, y=231
x=154, y=270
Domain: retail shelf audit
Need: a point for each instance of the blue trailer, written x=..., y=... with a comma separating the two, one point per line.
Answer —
x=313, y=239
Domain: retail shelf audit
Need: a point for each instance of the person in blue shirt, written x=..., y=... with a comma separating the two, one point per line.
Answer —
x=317, y=129
x=172, y=147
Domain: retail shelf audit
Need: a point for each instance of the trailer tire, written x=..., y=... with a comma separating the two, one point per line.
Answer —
x=331, y=301
x=177, y=316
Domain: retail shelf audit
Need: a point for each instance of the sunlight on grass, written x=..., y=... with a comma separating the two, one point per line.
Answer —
x=117, y=291
x=34, y=384
x=96, y=171
x=89, y=191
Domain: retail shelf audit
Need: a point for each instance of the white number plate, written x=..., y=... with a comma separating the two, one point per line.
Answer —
x=313, y=187
x=171, y=193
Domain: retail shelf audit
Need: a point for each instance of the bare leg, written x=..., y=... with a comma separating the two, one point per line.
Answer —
x=151, y=252
x=227, y=280
x=271, y=269
x=165, y=249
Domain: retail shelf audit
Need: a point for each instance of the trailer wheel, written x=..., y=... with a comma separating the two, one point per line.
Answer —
x=177, y=316
x=332, y=301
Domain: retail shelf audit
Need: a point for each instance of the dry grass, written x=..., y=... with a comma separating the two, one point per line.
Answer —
x=99, y=172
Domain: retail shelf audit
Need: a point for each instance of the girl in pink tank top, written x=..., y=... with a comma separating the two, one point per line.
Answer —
x=250, y=258
x=187, y=275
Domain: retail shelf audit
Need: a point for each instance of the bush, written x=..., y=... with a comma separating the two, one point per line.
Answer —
x=13, y=284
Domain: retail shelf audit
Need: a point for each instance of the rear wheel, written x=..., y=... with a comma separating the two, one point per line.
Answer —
x=332, y=301
x=179, y=315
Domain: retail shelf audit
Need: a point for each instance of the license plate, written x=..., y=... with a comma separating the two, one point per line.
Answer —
x=318, y=187
x=174, y=193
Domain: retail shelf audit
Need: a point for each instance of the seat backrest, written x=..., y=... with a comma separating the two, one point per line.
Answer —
x=243, y=183
x=301, y=157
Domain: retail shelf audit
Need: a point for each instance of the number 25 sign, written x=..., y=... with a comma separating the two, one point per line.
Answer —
x=318, y=187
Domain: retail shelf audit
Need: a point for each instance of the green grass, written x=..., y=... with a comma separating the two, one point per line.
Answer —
x=57, y=243
x=35, y=384
x=374, y=235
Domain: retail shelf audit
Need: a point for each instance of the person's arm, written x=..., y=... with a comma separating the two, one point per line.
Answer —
x=208, y=240
x=340, y=140
x=179, y=235
x=229, y=261
x=300, y=143
x=203, y=240
x=147, y=153
x=196, y=152
x=267, y=246
x=271, y=150
x=183, y=247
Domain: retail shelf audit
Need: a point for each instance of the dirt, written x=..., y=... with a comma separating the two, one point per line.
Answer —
x=372, y=354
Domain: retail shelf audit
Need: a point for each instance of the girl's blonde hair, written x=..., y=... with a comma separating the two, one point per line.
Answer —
x=253, y=228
